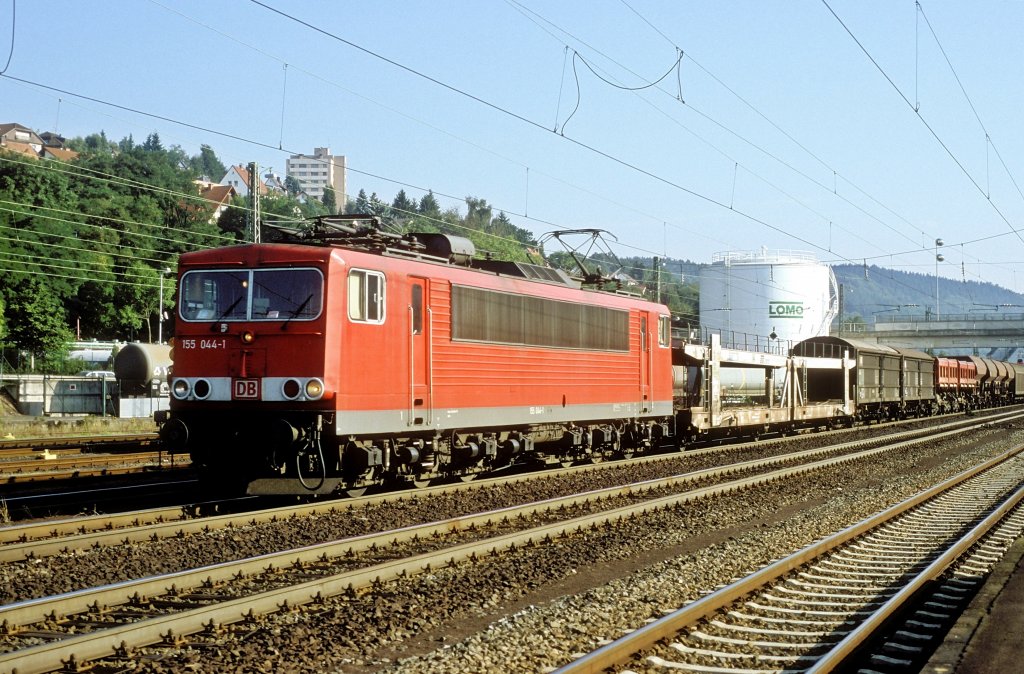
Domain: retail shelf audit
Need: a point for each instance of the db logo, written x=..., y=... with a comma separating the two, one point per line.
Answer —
x=247, y=389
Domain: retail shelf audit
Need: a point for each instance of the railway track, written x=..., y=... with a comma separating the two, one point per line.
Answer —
x=50, y=468
x=61, y=458
x=209, y=602
x=49, y=491
x=45, y=477
x=814, y=609
x=40, y=539
x=79, y=443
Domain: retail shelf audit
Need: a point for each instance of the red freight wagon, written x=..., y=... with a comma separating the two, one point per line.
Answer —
x=956, y=383
x=304, y=368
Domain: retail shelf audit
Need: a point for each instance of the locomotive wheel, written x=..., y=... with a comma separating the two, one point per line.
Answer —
x=355, y=492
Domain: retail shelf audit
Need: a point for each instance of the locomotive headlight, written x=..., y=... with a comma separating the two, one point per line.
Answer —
x=201, y=389
x=248, y=337
x=314, y=389
x=180, y=389
x=291, y=389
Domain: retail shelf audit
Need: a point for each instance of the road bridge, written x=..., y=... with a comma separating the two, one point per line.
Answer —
x=992, y=335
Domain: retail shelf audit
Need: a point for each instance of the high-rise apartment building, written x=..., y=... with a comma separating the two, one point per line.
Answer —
x=317, y=171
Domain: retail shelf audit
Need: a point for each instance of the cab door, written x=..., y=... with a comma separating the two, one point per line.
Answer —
x=419, y=352
x=645, y=364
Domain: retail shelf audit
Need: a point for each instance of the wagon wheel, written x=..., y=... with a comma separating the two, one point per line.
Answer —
x=567, y=463
x=422, y=483
x=468, y=477
x=355, y=492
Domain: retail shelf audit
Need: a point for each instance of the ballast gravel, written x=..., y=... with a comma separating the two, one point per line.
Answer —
x=534, y=608
x=540, y=638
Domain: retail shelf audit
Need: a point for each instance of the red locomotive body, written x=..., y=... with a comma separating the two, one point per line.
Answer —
x=311, y=368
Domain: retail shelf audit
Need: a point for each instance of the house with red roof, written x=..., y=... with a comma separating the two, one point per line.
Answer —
x=218, y=197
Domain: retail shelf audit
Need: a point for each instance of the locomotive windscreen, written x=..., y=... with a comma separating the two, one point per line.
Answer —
x=251, y=295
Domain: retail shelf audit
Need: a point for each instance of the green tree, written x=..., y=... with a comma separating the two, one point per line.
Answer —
x=39, y=226
x=292, y=185
x=404, y=206
x=93, y=309
x=37, y=321
x=132, y=229
x=330, y=200
x=232, y=222
x=153, y=143
x=478, y=214
x=429, y=205
x=362, y=203
x=282, y=212
x=95, y=143
x=207, y=164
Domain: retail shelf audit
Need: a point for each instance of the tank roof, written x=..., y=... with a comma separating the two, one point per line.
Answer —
x=763, y=256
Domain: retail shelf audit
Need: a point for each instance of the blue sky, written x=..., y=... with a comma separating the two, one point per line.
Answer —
x=787, y=136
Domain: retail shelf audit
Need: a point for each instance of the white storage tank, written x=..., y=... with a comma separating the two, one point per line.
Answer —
x=786, y=296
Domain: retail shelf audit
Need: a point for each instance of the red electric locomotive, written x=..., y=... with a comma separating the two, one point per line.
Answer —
x=359, y=358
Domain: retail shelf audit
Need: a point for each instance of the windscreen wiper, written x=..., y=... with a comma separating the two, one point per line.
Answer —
x=297, y=311
x=231, y=308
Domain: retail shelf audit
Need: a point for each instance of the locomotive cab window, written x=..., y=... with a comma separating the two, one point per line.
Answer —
x=214, y=295
x=366, y=296
x=286, y=294
x=251, y=295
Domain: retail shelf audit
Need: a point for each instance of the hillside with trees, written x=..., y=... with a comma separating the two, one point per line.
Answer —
x=875, y=293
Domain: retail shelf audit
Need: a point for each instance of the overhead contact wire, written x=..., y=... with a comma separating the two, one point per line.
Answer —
x=923, y=121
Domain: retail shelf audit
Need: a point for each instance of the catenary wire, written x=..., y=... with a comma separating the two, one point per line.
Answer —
x=968, y=99
x=528, y=12
x=923, y=121
x=14, y=23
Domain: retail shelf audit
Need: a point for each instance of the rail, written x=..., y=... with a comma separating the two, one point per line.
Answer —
x=621, y=651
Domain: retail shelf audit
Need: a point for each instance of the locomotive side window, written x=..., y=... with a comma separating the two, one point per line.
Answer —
x=252, y=294
x=417, y=309
x=480, y=315
x=664, y=331
x=366, y=296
